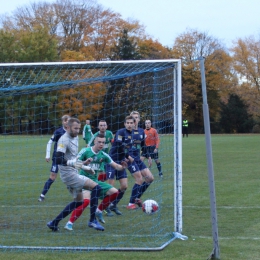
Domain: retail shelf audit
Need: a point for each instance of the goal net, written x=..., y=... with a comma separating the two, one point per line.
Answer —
x=34, y=97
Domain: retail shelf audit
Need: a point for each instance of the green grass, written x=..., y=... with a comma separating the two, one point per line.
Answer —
x=235, y=157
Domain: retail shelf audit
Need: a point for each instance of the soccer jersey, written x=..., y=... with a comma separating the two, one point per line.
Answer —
x=55, y=138
x=152, y=137
x=109, y=137
x=138, y=141
x=87, y=133
x=122, y=144
x=99, y=159
x=69, y=146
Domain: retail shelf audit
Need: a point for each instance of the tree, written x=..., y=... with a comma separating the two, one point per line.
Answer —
x=234, y=116
x=189, y=46
x=246, y=59
x=126, y=48
x=152, y=50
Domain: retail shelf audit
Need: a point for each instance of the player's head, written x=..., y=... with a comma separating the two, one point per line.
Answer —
x=148, y=124
x=73, y=127
x=136, y=116
x=129, y=123
x=87, y=122
x=64, y=120
x=99, y=142
x=102, y=126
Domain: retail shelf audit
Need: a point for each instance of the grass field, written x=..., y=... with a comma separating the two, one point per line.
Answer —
x=236, y=158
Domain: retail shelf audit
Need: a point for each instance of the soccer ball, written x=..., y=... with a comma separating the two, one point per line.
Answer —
x=150, y=206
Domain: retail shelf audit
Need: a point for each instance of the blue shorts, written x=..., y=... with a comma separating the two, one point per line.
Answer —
x=54, y=167
x=111, y=173
x=140, y=164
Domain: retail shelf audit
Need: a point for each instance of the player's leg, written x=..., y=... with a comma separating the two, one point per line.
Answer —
x=133, y=203
x=122, y=177
x=108, y=194
x=78, y=200
x=79, y=210
x=155, y=156
x=95, y=193
x=148, y=179
x=49, y=182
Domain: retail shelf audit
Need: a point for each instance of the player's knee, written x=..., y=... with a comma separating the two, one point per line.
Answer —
x=53, y=176
x=123, y=187
x=149, y=178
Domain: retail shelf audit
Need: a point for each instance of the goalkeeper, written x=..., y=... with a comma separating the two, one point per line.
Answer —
x=97, y=158
x=69, y=165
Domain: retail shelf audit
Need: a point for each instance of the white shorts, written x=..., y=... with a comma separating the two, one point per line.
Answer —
x=72, y=180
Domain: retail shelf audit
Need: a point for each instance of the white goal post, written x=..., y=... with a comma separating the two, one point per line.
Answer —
x=33, y=96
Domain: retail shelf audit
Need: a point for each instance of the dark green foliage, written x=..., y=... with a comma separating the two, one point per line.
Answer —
x=125, y=49
x=234, y=116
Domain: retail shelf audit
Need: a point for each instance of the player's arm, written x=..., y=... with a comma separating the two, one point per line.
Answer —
x=157, y=141
x=119, y=167
x=48, y=149
x=83, y=132
x=91, y=141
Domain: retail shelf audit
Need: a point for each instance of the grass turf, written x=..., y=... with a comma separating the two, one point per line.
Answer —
x=235, y=158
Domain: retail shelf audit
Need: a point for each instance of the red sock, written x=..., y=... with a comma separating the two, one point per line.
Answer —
x=102, y=176
x=107, y=200
x=78, y=211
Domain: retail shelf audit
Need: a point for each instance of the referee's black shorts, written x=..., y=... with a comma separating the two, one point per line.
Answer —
x=149, y=151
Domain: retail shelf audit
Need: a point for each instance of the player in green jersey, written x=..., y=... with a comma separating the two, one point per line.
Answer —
x=87, y=132
x=97, y=158
x=102, y=126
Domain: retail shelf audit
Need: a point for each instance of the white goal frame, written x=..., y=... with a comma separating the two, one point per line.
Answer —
x=177, y=145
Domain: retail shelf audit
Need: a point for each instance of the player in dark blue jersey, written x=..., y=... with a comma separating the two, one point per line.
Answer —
x=145, y=177
x=54, y=167
x=120, y=151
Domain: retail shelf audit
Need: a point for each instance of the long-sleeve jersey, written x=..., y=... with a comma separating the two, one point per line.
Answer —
x=54, y=139
x=152, y=137
x=87, y=133
x=122, y=144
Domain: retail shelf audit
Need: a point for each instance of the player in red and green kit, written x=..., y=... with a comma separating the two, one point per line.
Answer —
x=102, y=126
x=108, y=193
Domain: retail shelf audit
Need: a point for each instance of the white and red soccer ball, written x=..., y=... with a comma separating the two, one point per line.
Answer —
x=150, y=206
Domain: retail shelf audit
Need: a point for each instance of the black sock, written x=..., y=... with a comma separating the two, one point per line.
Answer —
x=135, y=192
x=94, y=202
x=47, y=186
x=66, y=211
x=119, y=197
x=159, y=167
x=143, y=188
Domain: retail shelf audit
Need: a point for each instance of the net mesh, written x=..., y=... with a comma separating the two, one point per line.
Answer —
x=33, y=97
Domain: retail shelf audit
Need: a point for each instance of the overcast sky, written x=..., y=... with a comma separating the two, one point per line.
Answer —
x=164, y=20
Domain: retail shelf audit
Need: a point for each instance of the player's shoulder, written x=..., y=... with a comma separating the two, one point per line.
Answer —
x=140, y=130
x=59, y=130
x=121, y=131
x=109, y=132
x=84, y=150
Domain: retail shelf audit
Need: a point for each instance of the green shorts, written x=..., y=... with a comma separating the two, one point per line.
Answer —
x=105, y=188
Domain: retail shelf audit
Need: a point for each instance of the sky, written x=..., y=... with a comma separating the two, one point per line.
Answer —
x=165, y=20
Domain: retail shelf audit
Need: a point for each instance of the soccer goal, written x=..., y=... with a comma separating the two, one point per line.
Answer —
x=34, y=97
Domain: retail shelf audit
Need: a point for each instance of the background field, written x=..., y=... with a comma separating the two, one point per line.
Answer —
x=236, y=159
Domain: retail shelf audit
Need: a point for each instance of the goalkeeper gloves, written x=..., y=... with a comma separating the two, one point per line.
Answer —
x=77, y=164
x=87, y=169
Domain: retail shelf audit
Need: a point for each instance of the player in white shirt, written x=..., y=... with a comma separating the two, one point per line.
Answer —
x=69, y=165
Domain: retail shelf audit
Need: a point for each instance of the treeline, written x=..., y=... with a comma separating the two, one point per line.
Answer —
x=83, y=30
